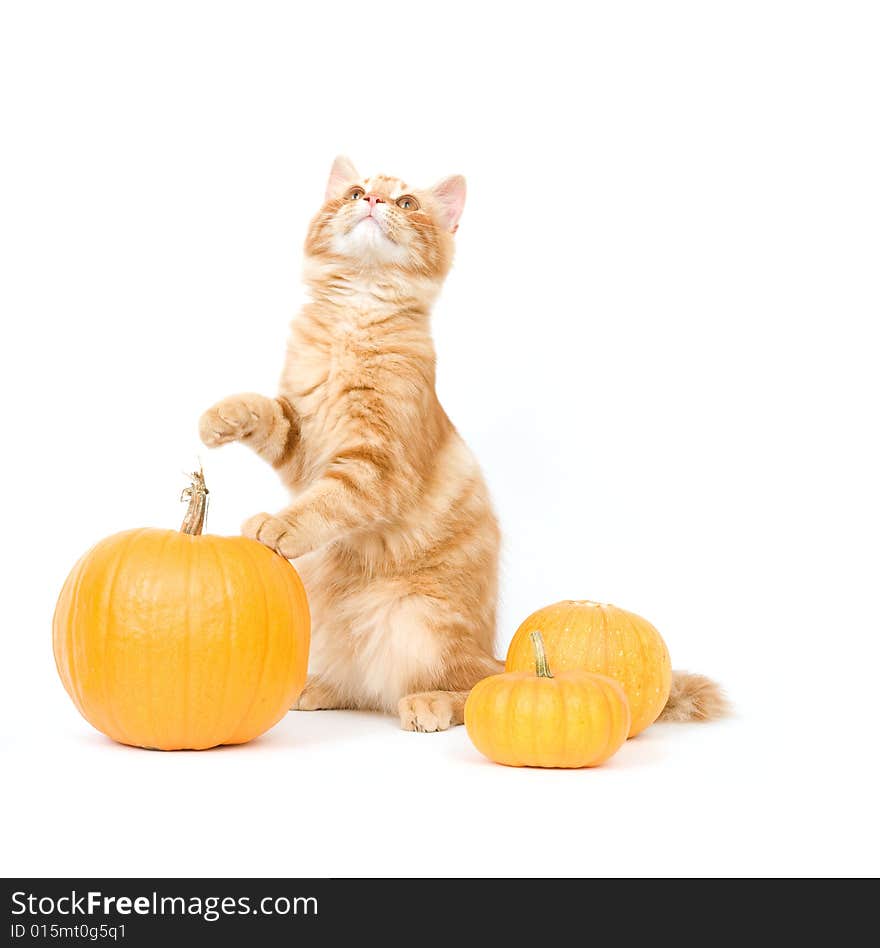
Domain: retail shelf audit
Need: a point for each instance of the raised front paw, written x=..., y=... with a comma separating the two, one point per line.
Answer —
x=233, y=419
x=272, y=532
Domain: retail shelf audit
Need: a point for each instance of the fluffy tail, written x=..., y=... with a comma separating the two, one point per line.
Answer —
x=694, y=698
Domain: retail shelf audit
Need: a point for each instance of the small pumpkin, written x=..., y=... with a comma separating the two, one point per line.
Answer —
x=537, y=719
x=174, y=640
x=600, y=638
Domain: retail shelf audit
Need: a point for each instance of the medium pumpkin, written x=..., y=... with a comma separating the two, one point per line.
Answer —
x=606, y=640
x=175, y=640
x=537, y=719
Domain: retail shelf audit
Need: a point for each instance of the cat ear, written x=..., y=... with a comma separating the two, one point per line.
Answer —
x=342, y=174
x=450, y=194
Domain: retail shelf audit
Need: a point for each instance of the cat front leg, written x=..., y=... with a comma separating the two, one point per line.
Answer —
x=350, y=496
x=428, y=711
x=267, y=425
x=431, y=711
x=320, y=695
x=294, y=531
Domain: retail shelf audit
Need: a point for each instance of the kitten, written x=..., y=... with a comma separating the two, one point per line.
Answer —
x=391, y=525
x=391, y=528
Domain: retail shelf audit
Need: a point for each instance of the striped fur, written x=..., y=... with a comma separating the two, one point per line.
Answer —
x=391, y=524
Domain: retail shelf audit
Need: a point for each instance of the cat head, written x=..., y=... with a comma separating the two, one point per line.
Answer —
x=381, y=223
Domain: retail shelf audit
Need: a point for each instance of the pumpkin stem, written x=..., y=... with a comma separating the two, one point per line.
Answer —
x=542, y=669
x=197, y=511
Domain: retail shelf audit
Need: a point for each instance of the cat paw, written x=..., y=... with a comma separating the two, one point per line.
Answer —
x=430, y=711
x=314, y=697
x=231, y=419
x=270, y=531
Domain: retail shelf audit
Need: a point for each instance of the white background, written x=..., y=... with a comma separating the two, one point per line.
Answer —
x=659, y=337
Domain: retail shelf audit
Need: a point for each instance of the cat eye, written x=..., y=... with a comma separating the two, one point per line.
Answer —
x=408, y=203
x=355, y=194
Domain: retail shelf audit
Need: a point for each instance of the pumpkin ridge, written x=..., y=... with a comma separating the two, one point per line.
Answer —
x=73, y=666
x=111, y=714
x=506, y=740
x=150, y=697
x=265, y=647
x=497, y=700
x=537, y=705
x=164, y=736
x=563, y=736
x=480, y=693
x=217, y=736
x=511, y=707
x=645, y=664
x=604, y=637
x=187, y=636
x=635, y=636
x=291, y=646
x=284, y=642
x=611, y=727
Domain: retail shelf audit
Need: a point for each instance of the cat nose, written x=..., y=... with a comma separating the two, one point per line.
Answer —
x=374, y=199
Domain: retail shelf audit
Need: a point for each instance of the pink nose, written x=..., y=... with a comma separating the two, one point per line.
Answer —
x=374, y=199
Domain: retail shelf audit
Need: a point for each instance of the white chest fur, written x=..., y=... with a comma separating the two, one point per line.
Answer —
x=375, y=643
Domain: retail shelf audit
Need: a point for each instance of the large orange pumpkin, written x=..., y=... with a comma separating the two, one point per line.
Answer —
x=606, y=640
x=175, y=640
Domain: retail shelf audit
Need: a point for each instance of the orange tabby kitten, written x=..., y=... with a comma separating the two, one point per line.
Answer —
x=391, y=526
